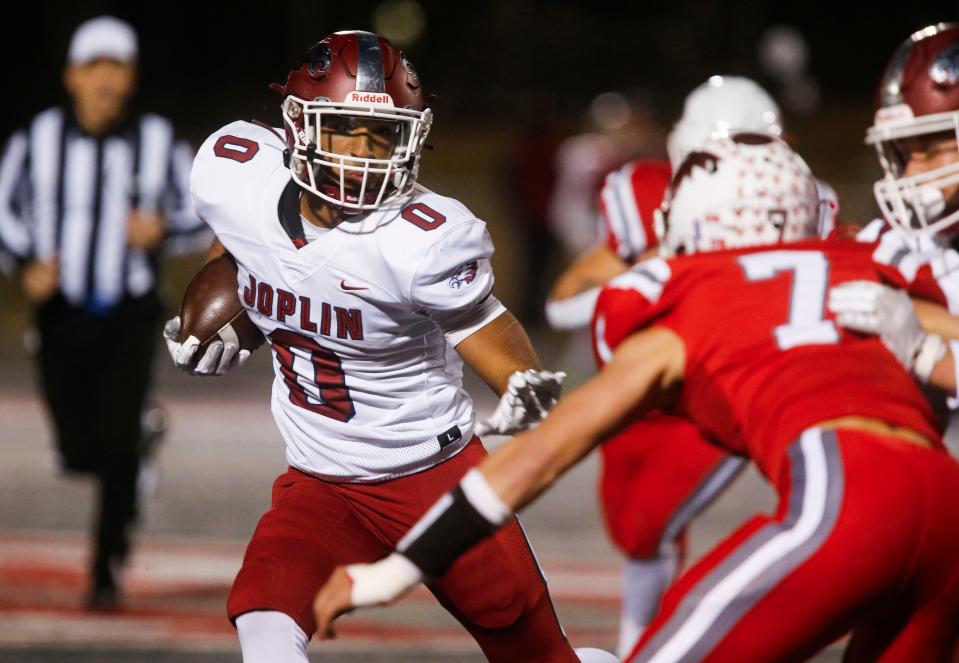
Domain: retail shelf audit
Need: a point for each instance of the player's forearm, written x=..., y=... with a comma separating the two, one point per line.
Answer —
x=640, y=377
x=498, y=350
x=509, y=479
x=943, y=375
x=591, y=270
x=521, y=470
x=936, y=319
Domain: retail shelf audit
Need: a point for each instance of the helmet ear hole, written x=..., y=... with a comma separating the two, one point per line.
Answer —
x=291, y=108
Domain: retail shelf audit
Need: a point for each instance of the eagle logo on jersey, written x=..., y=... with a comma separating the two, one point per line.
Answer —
x=464, y=275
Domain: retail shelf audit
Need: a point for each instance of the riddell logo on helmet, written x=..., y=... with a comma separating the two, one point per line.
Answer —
x=381, y=98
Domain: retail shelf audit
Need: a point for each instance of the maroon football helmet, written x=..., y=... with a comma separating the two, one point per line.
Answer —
x=354, y=75
x=918, y=97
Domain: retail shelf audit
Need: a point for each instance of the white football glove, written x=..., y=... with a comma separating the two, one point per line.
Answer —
x=218, y=359
x=529, y=396
x=873, y=308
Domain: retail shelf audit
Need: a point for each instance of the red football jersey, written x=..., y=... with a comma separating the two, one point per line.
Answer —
x=764, y=359
x=627, y=201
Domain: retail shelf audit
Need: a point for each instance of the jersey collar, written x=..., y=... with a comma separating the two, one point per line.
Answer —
x=288, y=211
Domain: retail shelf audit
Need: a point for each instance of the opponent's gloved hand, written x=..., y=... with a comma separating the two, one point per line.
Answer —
x=873, y=308
x=529, y=396
x=218, y=359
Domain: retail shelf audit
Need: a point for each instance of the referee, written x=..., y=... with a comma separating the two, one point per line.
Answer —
x=89, y=196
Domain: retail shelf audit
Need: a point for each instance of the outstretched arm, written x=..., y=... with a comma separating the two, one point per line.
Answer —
x=499, y=349
x=644, y=373
x=571, y=302
x=501, y=354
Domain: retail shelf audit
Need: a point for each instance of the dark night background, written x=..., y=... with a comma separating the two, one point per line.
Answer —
x=204, y=64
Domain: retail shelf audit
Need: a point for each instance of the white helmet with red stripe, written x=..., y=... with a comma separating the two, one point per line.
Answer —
x=745, y=189
x=716, y=108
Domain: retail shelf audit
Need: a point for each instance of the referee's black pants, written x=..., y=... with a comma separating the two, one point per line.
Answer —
x=95, y=372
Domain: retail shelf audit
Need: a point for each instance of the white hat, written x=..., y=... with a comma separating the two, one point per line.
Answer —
x=103, y=37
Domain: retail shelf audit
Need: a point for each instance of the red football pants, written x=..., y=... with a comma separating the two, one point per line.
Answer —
x=657, y=476
x=496, y=590
x=865, y=538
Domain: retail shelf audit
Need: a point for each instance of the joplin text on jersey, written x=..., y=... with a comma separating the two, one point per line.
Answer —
x=280, y=304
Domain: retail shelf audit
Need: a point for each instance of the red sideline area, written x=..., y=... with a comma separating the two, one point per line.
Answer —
x=176, y=590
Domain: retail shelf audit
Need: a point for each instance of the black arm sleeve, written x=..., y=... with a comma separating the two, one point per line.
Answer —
x=448, y=530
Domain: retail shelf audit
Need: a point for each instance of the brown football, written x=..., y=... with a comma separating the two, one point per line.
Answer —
x=211, y=305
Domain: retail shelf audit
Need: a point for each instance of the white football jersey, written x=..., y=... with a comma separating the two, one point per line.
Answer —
x=364, y=388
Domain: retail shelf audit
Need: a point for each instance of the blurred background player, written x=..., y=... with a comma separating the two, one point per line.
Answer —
x=660, y=473
x=361, y=279
x=529, y=184
x=726, y=332
x=90, y=195
x=631, y=194
x=619, y=128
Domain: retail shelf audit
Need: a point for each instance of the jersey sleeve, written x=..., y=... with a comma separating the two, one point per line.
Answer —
x=228, y=173
x=627, y=202
x=454, y=282
x=626, y=235
x=628, y=303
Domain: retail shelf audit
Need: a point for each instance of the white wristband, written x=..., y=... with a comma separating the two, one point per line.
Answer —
x=573, y=312
x=382, y=581
x=484, y=499
x=931, y=351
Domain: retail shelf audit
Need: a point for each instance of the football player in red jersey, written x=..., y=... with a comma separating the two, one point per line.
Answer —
x=660, y=473
x=364, y=281
x=733, y=334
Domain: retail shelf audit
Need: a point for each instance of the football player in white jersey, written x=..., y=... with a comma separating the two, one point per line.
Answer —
x=916, y=136
x=362, y=279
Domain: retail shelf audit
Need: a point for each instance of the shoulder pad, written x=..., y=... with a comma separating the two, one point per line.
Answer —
x=231, y=168
x=451, y=209
x=239, y=151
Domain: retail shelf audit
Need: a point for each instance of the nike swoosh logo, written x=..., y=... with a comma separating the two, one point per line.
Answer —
x=351, y=287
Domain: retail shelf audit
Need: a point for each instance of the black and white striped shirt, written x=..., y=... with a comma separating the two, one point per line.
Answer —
x=67, y=194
